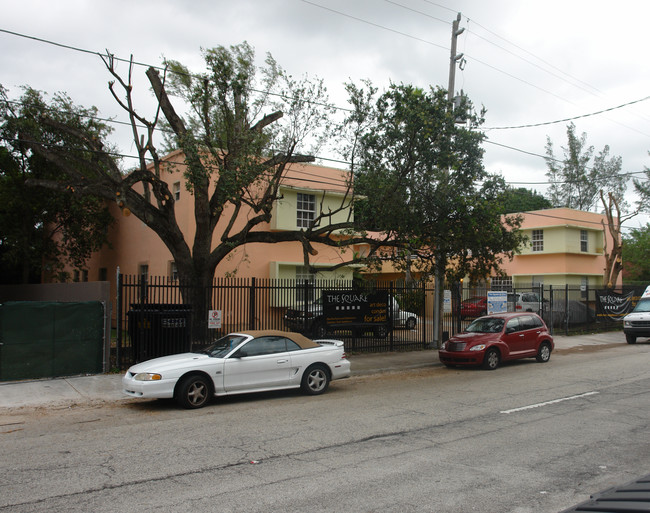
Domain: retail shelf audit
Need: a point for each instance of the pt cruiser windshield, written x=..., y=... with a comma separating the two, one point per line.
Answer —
x=486, y=325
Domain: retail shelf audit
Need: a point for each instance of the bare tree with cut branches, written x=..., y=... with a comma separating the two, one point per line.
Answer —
x=239, y=126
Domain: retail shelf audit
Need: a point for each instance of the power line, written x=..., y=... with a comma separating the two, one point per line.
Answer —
x=101, y=55
x=531, y=125
x=159, y=68
x=377, y=25
x=86, y=51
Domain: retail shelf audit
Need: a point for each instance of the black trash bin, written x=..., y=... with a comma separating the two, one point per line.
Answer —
x=159, y=329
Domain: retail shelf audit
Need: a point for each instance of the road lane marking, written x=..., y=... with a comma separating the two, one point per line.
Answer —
x=554, y=401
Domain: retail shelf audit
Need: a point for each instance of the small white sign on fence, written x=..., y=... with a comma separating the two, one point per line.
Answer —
x=214, y=319
x=497, y=301
x=446, y=302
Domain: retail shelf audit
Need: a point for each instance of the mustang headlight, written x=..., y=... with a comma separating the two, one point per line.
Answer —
x=147, y=376
x=479, y=347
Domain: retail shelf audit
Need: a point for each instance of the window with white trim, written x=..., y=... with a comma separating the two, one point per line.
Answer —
x=306, y=210
x=502, y=283
x=303, y=275
x=176, y=190
x=538, y=240
x=143, y=271
x=584, y=241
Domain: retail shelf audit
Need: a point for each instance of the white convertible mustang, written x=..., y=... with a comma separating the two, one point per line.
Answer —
x=251, y=361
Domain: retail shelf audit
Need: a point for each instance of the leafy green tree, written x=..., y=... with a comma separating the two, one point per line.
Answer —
x=576, y=180
x=522, y=200
x=423, y=182
x=636, y=248
x=40, y=231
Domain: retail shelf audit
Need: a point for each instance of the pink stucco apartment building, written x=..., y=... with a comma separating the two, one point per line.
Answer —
x=135, y=249
x=565, y=246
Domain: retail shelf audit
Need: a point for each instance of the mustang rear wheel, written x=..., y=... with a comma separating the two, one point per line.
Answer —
x=315, y=380
x=193, y=392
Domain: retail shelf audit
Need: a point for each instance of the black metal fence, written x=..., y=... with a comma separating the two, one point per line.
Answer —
x=156, y=316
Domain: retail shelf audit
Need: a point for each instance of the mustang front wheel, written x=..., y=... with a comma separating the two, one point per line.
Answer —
x=193, y=392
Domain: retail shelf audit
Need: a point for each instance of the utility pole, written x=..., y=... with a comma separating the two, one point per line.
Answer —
x=439, y=276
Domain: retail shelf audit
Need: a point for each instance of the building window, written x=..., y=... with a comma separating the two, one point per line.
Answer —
x=103, y=274
x=176, y=190
x=173, y=271
x=502, y=283
x=303, y=275
x=75, y=275
x=84, y=275
x=538, y=240
x=306, y=211
x=584, y=287
x=143, y=271
x=584, y=239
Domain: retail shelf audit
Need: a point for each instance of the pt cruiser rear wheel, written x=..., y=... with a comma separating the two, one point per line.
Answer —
x=544, y=352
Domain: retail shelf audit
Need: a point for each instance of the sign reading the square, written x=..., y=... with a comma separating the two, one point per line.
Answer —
x=351, y=308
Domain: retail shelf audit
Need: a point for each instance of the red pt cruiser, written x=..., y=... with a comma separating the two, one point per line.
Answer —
x=492, y=339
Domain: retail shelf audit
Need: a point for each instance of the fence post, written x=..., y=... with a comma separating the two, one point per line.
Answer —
x=118, y=319
x=391, y=323
x=251, y=311
x=566, y=309
x=424, y=314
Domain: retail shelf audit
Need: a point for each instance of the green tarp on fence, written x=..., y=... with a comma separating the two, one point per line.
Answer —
x=50, y=339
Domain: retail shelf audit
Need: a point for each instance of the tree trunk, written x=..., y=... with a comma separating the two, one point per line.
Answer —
x=196, y=290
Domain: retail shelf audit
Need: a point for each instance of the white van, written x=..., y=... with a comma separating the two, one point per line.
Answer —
x=637, y=323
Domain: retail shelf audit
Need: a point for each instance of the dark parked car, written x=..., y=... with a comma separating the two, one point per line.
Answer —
x=314, y=323
x=473, y=307
x=489, y=340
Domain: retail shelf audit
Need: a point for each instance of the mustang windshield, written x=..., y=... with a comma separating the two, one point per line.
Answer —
x=486, y=325
x=223, y=346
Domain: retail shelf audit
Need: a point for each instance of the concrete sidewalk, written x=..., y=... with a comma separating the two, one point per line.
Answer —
x=61, y=392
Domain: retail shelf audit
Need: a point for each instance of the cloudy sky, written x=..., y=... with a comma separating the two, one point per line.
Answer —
x=527, y=63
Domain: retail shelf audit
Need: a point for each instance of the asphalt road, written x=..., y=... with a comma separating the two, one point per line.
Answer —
x=528, y=437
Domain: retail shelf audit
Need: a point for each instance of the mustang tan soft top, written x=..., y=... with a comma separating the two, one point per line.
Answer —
x=301, y=340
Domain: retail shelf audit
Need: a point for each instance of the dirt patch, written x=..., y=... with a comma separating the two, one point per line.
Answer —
x=593, y=348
